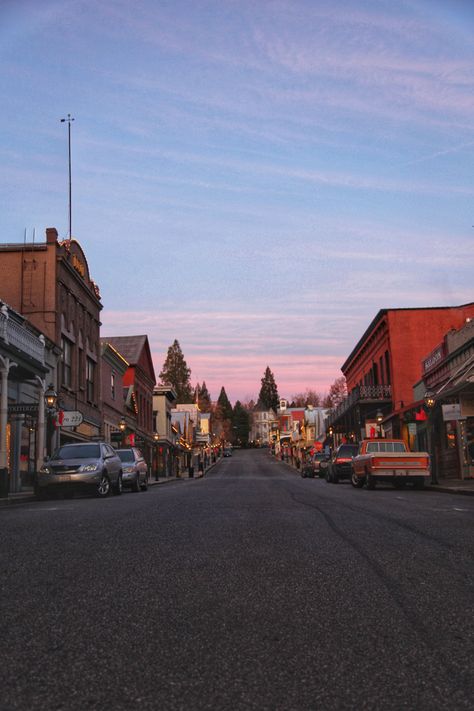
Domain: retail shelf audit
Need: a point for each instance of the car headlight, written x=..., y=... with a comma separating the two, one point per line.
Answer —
x=45, y=470
x=127, y=470
x=88, y=467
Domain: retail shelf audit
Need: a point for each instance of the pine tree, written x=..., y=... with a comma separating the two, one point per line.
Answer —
x=240, y=424
x=176, y=372
x=204, y=398
x=269, y=392
x=224, y=405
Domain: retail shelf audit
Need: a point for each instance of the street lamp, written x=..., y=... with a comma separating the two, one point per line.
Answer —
x=50, y=399
x=122, y=425
x=430, y=402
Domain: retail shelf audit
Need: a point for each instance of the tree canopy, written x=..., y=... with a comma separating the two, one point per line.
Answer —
x=337, y=393
x=309, y=397
x=204, y=398
x=269, y=392
x=240, y=424
x=176, y=372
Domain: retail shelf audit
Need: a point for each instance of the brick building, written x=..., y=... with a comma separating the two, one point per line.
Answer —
x=138, y=383
x=386, y=362
x=49, y=283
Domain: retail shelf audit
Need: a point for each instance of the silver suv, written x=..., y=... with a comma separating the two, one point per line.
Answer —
x=135, y=469
x=86, y=465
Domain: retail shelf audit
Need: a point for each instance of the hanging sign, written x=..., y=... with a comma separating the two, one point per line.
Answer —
x=69, y=418
x=451, y=412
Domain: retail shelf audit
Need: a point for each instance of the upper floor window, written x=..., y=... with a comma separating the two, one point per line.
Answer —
x=112, y=386
x=66, y=362
x=90, y=379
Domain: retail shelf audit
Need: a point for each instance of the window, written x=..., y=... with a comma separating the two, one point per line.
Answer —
x=66, y=360
x=90, y=379
x=112, y=386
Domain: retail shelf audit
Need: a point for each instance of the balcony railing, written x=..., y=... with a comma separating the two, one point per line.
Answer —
x=360, y=394
x=15, y=334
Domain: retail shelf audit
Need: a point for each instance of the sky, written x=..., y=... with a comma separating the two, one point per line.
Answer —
x=254, y=178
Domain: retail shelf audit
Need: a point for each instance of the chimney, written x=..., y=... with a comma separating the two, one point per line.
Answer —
x=51, y=235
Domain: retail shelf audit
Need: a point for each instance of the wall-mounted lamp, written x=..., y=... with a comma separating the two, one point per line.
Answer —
x=429, y=399
x=122, y=425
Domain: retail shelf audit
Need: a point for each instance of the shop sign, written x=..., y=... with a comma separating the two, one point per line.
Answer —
x=70, y=418
x=452, y=412
x=23, y=408
x=434, y=358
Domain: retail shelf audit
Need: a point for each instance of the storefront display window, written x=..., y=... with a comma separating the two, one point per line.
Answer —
x=451, y=434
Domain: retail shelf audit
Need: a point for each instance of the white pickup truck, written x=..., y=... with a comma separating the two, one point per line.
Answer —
x=389, y=460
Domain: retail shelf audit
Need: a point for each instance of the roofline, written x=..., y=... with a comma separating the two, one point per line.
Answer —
x=380, y=314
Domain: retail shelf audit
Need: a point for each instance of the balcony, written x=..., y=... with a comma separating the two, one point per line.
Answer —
x=15, y=334
x=363, y=394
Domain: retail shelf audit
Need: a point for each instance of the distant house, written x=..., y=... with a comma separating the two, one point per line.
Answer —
x=263, y=420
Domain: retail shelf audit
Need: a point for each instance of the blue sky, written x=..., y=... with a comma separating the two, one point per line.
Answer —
x=255, y=179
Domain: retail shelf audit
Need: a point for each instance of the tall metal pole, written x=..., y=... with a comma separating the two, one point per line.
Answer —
x=69, y=120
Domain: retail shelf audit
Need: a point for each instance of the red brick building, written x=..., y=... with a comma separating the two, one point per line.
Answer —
x=385, y=364
x=138, y=383
x=49, y=283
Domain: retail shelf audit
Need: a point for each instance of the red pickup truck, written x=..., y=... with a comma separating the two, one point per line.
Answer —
x=389, y=460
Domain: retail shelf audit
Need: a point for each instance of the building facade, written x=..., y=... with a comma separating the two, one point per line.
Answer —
x=50, y=285
x=385, y=364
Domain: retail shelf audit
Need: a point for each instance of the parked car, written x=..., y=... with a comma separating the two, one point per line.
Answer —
x=307, y=470
x=340, y=466
x=134, y=468
x=324, y=466
x=227, y=452
x=91, y=466
x=318, y=459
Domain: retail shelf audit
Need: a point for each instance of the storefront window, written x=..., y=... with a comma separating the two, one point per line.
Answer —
x=451, y=434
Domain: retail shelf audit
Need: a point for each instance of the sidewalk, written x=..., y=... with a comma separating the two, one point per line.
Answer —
x=27, y=495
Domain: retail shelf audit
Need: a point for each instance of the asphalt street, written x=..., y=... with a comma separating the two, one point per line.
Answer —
x=251, y=588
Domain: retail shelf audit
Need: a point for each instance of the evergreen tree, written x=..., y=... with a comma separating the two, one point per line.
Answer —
x=269, y=392
x=176, y=372
x=204, y=398
x=240, y=424
x=224, y=405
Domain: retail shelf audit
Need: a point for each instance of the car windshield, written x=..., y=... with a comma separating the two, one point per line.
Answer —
x=349, y=450
x=126, y=455
x=78, y=451
x=319, y=455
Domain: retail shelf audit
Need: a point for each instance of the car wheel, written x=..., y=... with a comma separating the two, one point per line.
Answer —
x=144, y=486
x=118, y=488
x=369, y=481
x=103, y=487
x=328, y=476
x=136, y=483
x=356, y=482
x=335, y=477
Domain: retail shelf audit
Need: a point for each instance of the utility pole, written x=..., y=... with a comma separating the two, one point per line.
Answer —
x=69, y=120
